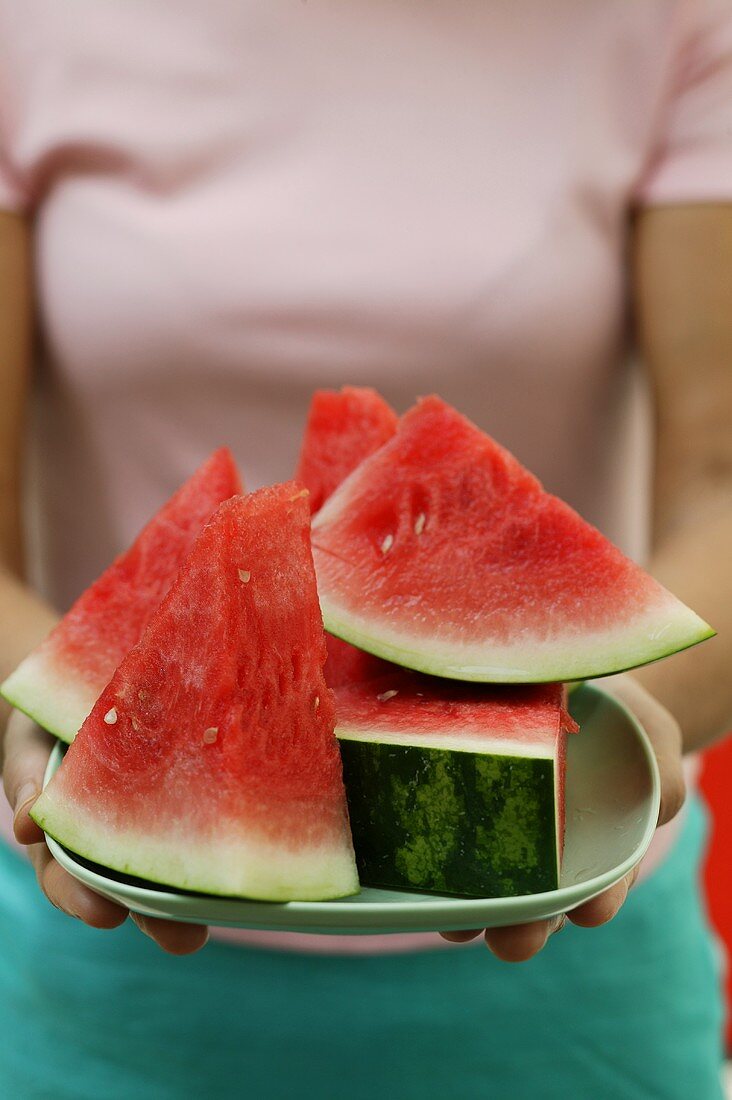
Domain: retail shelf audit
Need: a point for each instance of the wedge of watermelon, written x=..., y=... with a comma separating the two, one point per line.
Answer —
x=59, y=682
x=343, y=428
x=442, y=553
x=455, y=788
x=209, y=762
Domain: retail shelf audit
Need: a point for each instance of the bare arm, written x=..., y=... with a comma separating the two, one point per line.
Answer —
x=683, y=297
x=24, y=619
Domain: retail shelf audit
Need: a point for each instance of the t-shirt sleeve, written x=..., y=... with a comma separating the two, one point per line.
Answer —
x=692, y=159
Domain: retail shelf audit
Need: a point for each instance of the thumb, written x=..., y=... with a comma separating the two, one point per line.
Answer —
x=27, y=749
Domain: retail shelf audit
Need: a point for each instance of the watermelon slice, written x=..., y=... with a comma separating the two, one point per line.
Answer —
x=443, y=554
x=342, y=429
x=455, y=788
x=59, y=682
x=209, y=762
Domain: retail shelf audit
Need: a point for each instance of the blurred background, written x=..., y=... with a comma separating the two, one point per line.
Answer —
x=716, y=783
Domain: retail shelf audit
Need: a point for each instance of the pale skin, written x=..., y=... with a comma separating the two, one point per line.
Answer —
x=682, y=298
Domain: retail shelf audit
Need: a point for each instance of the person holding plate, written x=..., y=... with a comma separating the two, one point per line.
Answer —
x=525, y=208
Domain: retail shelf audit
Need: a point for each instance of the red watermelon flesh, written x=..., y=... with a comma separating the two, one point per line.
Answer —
x=442, y=553
x=347, y=665
x=209, y=762
x=452, y=787
x=342, y=429
x=60, y=681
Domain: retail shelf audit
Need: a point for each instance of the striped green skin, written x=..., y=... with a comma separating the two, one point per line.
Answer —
x=451, y=822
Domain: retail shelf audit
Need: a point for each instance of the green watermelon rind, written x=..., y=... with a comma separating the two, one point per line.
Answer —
x=455, y=822
x=36, y=689
x=273, y=883
x=628, y=646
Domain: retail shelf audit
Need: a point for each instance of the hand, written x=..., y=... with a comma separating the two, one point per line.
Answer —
x=519, y=942
x=27, y=748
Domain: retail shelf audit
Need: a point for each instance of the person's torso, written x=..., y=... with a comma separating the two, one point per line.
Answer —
x=241, y=202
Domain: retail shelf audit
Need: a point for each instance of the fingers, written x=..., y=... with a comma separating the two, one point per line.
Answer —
x=70, y=896
x=461, y=936
x=27, y=748
x=665, y=736
x=673, y=784
x=171, y=936
x=74, y=899
x=601, y=909
x=516, y=942
x=520, y=942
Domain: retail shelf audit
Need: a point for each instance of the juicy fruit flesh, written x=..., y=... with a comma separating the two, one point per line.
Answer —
x=409, y=709
x=128, y=592
x=58, y=684
x=441, y=552
x=522, y=545
x=343, y=429
x=347, y=665
x=217, y=729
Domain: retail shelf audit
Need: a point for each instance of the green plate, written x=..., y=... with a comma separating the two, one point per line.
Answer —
x=613, y=797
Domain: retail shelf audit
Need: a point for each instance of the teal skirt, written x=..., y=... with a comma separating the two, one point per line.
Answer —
x=630, y=1010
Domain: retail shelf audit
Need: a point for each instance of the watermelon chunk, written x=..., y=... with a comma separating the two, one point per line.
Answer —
x=342, y=429
x=209, y=762
x=59, y=682
x=442, y=553
x=455, y=788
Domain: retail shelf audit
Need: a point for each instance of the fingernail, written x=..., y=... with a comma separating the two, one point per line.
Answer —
x=559, y=924
x=27, y=793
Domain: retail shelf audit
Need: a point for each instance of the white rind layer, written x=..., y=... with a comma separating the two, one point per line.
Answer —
x=450, y=740
x=58, y=701
x=666, y=628
x=248, y=867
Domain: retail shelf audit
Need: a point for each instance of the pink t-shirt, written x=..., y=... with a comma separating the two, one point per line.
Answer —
x=237, y=202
